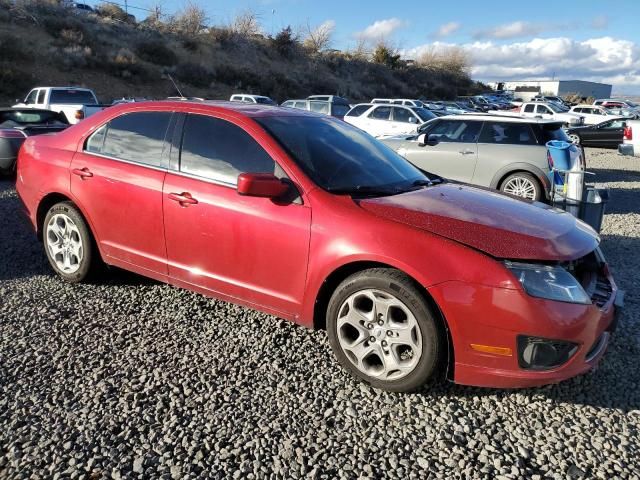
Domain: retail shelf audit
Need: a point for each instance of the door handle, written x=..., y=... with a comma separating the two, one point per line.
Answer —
x=467, y=152
x=183, y=198
x=82, y=172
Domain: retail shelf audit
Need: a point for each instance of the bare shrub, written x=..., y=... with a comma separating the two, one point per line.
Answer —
x=246, y=24
x=191, y=20
x=11, y=49
x=318, y=38
x=114, y=12
x=452, y=59
x=194, y=74
x=157, y=52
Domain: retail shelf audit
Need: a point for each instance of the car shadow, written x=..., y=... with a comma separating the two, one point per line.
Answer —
x=610, y=175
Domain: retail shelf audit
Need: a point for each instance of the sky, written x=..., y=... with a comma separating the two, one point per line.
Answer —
x=593, y=40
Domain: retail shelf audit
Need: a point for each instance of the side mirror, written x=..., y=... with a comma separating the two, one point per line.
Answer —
x=264, y=185
x=422, y=139
x=433, y=140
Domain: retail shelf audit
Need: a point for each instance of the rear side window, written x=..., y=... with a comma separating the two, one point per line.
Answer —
x=219, y=150
x=381, y=113
x=319, y=107
x=403, y=115
x=358, y=110
x=507, y=133
x=456, y=131
x=301, y=105
x=136, y=137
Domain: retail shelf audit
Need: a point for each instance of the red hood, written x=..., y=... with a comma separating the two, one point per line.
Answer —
x=494, y=223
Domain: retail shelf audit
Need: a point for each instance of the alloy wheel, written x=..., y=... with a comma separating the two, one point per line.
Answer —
x=379, y=334
x=520, y=187
x=574, y=138
x=64, y=243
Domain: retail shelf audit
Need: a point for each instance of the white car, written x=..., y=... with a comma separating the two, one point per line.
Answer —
x=630, y=139
x=74, y=103
x=380, y=120
x=547, y=111
x=399, y=101
x=593, y=114
x=246, y=98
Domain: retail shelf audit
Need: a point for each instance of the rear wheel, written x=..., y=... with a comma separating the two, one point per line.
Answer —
x=383, y=332
x=68, y=243
x=522, y=184
x=575, y=138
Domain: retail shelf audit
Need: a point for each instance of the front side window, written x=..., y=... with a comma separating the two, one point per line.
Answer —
x=219, y=150
x=381, y=113
x=529, y=108
x=615, y=124
x=507, y=133
x=358, y=110
x=542, y=109
x=136, y=137
x=41, y=95
x=31, y=98
x=340, y=157
x=301, y=105
x=456, y=131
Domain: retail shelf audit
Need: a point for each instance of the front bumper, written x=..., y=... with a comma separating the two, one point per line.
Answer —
x=625, y=149
x=478, y=314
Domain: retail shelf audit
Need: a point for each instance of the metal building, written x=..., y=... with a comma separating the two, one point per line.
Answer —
x=559, y=87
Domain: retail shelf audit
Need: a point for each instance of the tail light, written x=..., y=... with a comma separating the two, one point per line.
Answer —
x=79, y=114
x=11, y=133
x=628, y=133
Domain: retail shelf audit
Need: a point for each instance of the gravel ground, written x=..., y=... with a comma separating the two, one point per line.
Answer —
x=128, y=378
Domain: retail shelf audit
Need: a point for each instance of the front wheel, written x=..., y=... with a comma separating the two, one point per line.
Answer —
x=383, y=332
x=522, y=184
x=68, y=243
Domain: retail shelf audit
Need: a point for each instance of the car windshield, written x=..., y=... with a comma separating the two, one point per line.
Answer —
x=341, y=158
x=631, y=104
x=30, y=117
x=71, y=97
x=424, y=114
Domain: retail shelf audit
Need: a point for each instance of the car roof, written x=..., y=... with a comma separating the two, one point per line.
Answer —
x=242, y=109
x=64, y=88
x=501, y=118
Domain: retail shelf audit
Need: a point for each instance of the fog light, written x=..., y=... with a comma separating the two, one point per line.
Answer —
x=543, y=354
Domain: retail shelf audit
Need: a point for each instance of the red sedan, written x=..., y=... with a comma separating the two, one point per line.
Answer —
x=308, y=218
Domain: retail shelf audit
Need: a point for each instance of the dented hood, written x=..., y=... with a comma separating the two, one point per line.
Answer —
x=494, y=223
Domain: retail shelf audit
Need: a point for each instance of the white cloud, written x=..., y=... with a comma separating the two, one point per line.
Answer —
x=447, y=29
x=381, y=29
x=511, y=30
x=603, y=59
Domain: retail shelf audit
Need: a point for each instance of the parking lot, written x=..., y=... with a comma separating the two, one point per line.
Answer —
x=126, y=377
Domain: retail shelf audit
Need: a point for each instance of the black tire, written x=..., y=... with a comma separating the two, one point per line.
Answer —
x=397, y=284
x=90, y=257
x=538, y=194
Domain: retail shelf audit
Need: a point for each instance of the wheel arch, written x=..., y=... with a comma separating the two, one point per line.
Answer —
x=503, y=173
x=338, y=275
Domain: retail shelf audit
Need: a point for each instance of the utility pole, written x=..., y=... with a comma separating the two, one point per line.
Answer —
x=126, y=6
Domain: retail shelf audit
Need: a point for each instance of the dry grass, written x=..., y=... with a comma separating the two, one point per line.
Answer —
x=121, y=59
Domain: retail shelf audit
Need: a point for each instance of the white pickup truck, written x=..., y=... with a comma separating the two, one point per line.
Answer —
x=74, y=103
x=545, y=110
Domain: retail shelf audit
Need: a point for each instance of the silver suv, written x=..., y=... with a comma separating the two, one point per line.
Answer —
x=499, y=152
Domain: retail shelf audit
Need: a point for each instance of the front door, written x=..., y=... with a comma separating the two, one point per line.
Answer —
x=117, y=178
x=454, y=156
x=247, y=248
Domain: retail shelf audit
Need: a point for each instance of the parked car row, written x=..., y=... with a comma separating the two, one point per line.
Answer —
x=414, y=277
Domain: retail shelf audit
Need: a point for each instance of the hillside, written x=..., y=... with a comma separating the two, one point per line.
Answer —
x=44, y=44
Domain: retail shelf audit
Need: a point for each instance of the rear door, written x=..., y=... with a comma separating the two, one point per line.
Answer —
x=239, y=247
x=378, y=121
x=404, y=120
x=117, y=178
x=455, y=154
x=503, y=145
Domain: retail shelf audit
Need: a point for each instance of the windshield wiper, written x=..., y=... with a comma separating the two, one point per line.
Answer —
x=366, y=191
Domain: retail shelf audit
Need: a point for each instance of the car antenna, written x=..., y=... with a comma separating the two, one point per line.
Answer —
x=175, y=85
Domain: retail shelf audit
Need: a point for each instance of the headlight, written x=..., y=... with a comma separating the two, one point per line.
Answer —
x=552, y=283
